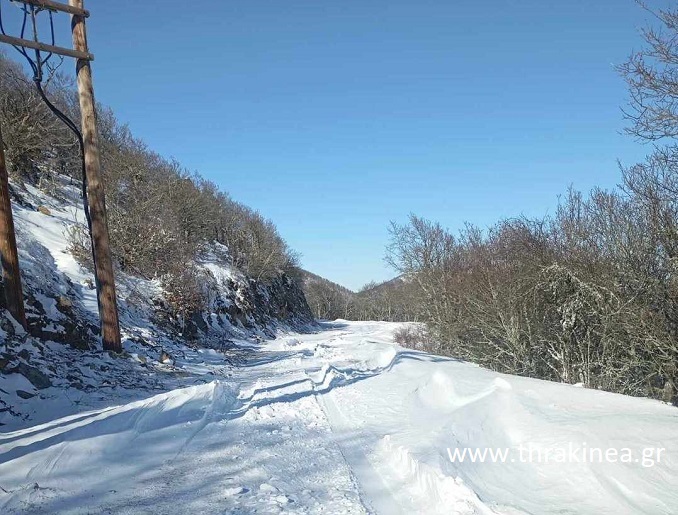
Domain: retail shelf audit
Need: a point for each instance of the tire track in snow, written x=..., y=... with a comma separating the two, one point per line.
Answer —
x=369, y=483
x=223, y=399
x=386, y=473
x=371, y=486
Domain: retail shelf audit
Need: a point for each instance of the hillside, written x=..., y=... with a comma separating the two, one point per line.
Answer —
x=395, y=300
x=327, y=300
x=384, y=287
x=194, y=268
x=58, y=359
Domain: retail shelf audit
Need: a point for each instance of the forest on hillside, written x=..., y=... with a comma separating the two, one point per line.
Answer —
x=396, y=300
x=161, y=216
x=588, y=295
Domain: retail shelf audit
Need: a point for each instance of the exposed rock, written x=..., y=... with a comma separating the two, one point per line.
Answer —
x=64, y=303
x=34, y=376
x=241, y=303
x=199, y=322
x=44, y=210
x=24, y=395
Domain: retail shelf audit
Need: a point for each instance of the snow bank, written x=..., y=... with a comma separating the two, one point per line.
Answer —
x=414, y=415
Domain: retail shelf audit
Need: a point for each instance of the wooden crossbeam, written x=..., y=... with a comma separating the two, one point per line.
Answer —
x=56, y=6
x=46, y=48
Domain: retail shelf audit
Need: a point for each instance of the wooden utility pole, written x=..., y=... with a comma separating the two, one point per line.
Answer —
x=101, y=247
x=11, y=277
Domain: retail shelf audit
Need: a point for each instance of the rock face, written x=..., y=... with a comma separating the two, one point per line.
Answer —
x=236, y=305
x=34, y=375
x=243, y=303
x=282, y=299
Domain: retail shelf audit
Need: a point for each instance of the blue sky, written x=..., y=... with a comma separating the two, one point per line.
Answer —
x=333, y=118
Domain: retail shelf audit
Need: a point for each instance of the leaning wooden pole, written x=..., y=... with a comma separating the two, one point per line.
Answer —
x=101, y=247
x=11, y=278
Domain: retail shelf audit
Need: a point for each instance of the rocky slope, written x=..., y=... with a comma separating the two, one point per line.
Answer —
x=61, y=348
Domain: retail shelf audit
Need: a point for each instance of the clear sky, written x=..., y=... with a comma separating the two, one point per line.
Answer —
x=334, y=117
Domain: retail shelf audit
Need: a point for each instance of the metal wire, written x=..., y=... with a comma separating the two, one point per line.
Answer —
x=37, y=64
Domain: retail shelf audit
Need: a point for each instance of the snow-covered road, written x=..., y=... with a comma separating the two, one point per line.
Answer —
x=343, y=421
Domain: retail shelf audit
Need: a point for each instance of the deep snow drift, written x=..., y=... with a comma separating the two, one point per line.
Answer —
x=343, y=421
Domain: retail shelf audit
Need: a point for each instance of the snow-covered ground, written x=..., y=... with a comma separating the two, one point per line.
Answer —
x=58, y=368
x=344, y=421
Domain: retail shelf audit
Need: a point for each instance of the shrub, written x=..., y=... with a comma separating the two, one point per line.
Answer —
x=413, y=336
x=185, y=292
x=79, y=244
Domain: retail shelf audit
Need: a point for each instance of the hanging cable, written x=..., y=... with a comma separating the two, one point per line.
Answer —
x=36, y=66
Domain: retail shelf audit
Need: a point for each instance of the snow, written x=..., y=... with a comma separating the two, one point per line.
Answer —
x=43, y=245
x=62, y=310
x=340, y=421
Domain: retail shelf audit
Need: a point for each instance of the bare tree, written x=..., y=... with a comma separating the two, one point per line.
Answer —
x=652, y=78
